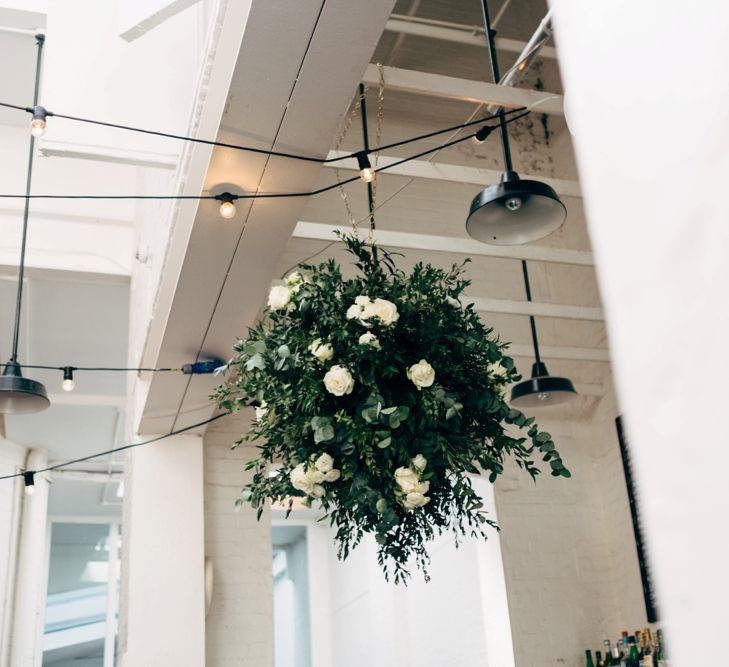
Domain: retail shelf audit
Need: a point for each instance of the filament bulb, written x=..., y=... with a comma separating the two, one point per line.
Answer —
x=367, y=174
x=68, y=384
x=227, y=209
x=38, y=127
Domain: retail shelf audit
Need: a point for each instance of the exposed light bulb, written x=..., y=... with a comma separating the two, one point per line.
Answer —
x=482, y=134
x=227, y=209
x=29, y=479
x=68, y=384
x=38, y=123
x=367, y=174
x=513, y=203
x=38, y=127
x=542, y=396
x=477, y=140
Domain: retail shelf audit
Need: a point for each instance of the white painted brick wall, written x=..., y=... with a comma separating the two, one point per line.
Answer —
x=571, y=566
x=239, y=627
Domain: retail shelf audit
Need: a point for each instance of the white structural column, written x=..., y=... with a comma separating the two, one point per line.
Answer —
x=163, y=600
x=660, y=237
x=26, y=648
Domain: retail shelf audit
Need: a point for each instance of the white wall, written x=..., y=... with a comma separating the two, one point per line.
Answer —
x=12, y=459
x=239, y=626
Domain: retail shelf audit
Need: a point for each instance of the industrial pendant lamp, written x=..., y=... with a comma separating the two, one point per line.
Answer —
x=542, y=389
x=20, y=395
x=514, y=211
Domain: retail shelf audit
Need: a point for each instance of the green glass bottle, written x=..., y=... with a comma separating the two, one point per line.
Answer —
x=598, y=659
x=633, y=658
x=588, y=659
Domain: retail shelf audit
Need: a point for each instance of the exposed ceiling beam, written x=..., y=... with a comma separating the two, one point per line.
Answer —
x=451, y=172
x=450, y=244
x=455, y=32
x=67, y=245
x=467, y=90
x=511, y=307
x=216, y=272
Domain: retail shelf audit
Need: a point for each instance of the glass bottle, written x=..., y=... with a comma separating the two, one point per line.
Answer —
x=588, y=659
x=632, y=659
x=598, y=659
x=608, y=653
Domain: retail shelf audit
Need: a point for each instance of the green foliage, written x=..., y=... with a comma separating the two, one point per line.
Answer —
x=460, y=424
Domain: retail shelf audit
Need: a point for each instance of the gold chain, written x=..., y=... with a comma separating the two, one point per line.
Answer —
x=378, y=135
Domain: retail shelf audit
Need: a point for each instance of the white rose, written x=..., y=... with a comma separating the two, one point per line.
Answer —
x=299, y=479
x=497, y=369
x=370, y=339
x=332, y=476
x=423, y=487
x=421, y=374
x=381, y=309
x=420, y=462
x=362, y=301
x=415, y=499
x=315, y=476
x=279, y=297
x=293, y=278
x=338, y=381
x=261, y=410
x=318, y=491
x=322, y=351
x=407, y=479
x=324, y=463
x=353, y=312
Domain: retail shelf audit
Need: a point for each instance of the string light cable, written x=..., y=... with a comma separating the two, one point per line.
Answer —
x=40, y=116
x=228, y=198
x=29, y=475
x=68, y=384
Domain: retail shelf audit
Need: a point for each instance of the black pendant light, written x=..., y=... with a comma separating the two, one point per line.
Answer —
x=20, y=395
x=542, y=389
x=514, y=211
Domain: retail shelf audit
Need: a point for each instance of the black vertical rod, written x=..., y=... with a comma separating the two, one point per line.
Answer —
x=365, y=136
x=533, y=324
x=491, y=39
x=39, y=40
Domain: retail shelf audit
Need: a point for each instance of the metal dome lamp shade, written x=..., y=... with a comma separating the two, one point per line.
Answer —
x=515, y=211
x=542, y=389
x=20, y=395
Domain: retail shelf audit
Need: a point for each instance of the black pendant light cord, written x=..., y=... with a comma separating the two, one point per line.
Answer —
x=533, y=324
x=366, y=140
x=39, y=40
x=491, y=39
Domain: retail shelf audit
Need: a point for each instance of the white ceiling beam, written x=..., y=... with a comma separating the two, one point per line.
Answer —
x=467, y=90
x=454, y=173
x=456, y=32
x=513, y=307
x=67, y=245
x=215, y=272
x=463, y=246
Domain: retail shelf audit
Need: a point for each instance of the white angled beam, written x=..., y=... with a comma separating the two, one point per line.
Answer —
x=463, y=246
x=455, y=32
x=559, y=311
x=561, y=353
x=450, y=172
x=467, y=90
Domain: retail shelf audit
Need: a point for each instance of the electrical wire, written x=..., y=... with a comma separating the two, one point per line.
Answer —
x=266, y=195
x=93, y=368
x=81, y=459
x=249, y=149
